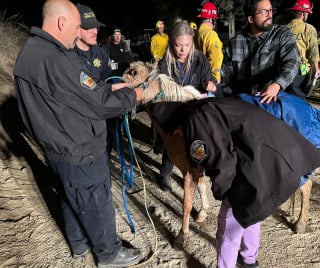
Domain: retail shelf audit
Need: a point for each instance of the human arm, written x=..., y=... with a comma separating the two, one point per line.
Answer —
x=214, y=54
x=227, y=72
x=270, y=93
x=287, y=64
x=77, y=91
x=118, y=86
x=207, y=81
x=313, y=52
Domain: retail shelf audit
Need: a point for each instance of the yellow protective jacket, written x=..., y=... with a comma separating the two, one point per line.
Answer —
x=306, y=38
x=208, y=41
x=158, y=46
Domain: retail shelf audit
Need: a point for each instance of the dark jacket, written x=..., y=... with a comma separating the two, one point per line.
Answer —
x=119, y=56
x=61, y=105
x=96, y=61
x=253, y=158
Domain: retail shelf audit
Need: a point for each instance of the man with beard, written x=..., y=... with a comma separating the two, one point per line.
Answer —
x=262, y=60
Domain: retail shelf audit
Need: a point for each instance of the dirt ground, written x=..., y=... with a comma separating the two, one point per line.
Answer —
x=30, y=217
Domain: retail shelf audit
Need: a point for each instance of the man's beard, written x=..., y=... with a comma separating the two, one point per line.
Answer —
x=264, y=28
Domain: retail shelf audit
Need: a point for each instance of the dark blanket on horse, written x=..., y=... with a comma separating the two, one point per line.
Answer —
x=253, y=158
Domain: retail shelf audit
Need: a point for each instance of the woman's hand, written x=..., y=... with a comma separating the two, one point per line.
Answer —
x=211, y=87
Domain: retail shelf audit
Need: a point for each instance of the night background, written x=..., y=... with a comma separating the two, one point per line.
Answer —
x=134, y=16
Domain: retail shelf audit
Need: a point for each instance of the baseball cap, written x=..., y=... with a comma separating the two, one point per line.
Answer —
x=116, y=30
x=88, y=18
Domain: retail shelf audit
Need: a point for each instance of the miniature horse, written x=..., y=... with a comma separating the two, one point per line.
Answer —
x=159, y=87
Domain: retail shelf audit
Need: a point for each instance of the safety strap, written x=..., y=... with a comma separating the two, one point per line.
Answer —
x=122, y=125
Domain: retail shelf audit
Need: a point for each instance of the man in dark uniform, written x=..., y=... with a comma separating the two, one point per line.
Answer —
x=118, y=53
x=65, y=110
x=95, y=58
x=90, y=53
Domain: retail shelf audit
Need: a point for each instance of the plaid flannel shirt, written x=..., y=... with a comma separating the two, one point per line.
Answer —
x=250, y=63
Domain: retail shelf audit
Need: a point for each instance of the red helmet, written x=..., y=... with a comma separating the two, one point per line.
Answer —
x=302, y=5
x=208, y=11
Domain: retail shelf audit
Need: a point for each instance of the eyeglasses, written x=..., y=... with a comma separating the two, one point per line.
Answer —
x=265, y=12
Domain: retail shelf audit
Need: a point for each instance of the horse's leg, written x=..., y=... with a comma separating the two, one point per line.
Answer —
x=189, y=189
x=202, y=215
x=301, y=224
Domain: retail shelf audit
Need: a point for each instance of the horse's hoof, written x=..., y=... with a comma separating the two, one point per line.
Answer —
x=180, y=241
x=300, y=227
x=201, y=216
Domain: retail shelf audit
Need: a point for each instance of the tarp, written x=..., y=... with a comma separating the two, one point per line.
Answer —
x=295, y=111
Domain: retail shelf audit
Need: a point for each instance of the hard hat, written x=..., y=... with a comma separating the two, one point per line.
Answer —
x=208, y=11
x=159, y=24
x=302, y=5
x=193, y=25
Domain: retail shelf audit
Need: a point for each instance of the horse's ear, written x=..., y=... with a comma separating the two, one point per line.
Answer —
x=148, y=64
x=152, y=66
x=155, y=65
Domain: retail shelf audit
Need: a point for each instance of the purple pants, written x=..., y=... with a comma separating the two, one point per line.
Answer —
x=232, y=239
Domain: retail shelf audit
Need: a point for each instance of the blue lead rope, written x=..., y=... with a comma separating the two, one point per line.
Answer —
x=121, y=126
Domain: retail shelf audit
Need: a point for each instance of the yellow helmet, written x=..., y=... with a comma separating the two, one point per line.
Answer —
x=193, y=25
x=159, y=24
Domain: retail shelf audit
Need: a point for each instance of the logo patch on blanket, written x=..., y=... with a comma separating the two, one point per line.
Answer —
x=198, y=151
x=86, y=81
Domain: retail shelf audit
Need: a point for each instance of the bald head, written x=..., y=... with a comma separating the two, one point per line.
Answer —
x=61, y=19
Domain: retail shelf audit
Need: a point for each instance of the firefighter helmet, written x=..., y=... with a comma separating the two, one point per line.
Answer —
x=159, y=24
x=193, y=25
x=302, y=5
x=208, y=11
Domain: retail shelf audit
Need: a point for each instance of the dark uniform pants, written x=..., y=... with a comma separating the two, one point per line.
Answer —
x=87, y=208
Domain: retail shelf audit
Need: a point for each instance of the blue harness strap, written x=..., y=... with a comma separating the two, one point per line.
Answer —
x=122, y=125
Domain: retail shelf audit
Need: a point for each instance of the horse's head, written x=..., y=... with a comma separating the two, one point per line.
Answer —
x=139, y=72
x=160, y=87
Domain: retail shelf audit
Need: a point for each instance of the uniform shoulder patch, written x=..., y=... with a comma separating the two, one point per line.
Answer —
x=198, y=151
x=86, y=81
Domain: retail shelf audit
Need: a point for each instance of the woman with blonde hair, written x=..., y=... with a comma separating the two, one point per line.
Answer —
x=186, y=66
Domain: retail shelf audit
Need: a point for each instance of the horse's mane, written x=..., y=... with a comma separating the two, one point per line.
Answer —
x=158, y=87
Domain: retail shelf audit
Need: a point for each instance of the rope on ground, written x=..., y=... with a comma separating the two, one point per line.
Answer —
x=126, y=125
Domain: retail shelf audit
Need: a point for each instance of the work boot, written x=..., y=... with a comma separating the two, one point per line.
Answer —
x=165, y=184
x=79, y=255
x=126, y=257
x=242, y=264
